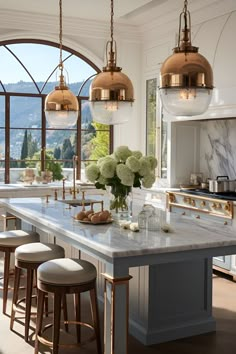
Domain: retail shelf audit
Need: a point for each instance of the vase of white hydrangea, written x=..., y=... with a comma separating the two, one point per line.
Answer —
x=120, y=201
x=118, y=173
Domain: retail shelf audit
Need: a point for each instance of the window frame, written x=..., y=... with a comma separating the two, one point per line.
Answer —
x=78, y=128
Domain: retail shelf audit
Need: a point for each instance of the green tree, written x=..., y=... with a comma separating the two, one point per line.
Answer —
x=99, y=144
x=67, y=152
x=57, y=153
x=32, y=145
x=24, y=149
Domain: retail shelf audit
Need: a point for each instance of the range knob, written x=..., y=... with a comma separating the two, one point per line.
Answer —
x=203, y=203
x=213, y=205
x=226, y=207
x=193, y=203
x=218, y=206
x=186, y=200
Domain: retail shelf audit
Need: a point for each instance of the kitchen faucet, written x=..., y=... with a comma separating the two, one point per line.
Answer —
x=74, y=190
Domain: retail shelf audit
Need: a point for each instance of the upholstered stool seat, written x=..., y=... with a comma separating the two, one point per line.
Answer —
x=9, y=241
x=60, y=277
x=30, y=257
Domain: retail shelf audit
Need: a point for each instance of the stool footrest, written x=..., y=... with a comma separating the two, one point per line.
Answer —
x=48, y=343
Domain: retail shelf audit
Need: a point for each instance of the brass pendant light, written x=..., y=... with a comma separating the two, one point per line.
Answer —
x=111, y=92
x=186, y=81
x=61, y=105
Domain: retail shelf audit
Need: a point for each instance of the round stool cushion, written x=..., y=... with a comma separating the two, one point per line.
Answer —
x=38, y=252
x=66, y=271
x=15, y=238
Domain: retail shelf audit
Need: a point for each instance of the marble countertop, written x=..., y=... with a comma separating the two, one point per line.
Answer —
x=52, y=185
x=113, y=241
x=20, y=186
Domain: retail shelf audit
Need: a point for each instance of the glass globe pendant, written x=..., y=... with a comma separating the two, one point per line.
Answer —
x=61, y=105
x=111, y=91
x=186, y=80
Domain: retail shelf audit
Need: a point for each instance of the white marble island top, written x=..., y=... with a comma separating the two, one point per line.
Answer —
x=179, y=263
x=113, y=242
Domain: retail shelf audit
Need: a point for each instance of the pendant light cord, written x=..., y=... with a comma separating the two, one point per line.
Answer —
x=112, y=24
x=60, y=35
x=187, y=25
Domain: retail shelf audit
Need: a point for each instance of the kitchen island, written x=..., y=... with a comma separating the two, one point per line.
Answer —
x=177, y=296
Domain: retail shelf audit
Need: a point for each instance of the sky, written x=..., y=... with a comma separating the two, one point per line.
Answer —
x=40, y=60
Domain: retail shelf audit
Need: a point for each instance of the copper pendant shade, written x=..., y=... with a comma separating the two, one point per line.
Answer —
x=61, y=105
x=186, y=80
x=111, y=91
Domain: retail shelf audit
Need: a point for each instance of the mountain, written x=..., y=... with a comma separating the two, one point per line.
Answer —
x=25, y=112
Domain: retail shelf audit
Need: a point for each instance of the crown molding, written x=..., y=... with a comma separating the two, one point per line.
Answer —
x=167, y=20
x=27, y=21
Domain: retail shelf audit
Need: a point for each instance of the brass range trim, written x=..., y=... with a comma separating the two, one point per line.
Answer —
x=199, y=197
x=227, y=205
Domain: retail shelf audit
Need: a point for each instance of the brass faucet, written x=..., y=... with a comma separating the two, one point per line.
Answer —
x=63, y=188
x=74, y=190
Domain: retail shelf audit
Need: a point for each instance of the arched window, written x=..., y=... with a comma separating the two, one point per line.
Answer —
x=29, y=73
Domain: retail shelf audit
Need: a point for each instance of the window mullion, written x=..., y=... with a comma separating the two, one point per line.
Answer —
x=7, y=139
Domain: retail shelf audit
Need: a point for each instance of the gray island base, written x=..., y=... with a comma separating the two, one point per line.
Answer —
x=170, y=294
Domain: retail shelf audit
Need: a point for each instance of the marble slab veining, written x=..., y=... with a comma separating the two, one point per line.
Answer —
x=218, y=148
x=112, y=241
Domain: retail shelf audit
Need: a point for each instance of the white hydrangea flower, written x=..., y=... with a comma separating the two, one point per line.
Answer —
x=122, y=153
x=125, y=175
x=102, y=180
x=137, y=154
x=108, y=168
x=123, y=169
x=145, y=167
x=133, y=163
x=100, y=161
x=153, y=162
x=92, y=172
x=148, y=180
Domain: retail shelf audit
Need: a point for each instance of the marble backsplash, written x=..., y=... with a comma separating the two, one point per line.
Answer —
x=218, y=148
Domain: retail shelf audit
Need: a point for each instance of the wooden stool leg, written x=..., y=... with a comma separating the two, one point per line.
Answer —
x=56, y=322
x=77, y=316
x=65, y=313
x=39, y=321
x=28, y=301
x=94, y=310
x=6, y=275
x=15, y=295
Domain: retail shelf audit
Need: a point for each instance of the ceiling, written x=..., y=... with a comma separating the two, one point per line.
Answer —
x=133, y=12
x=144, y=14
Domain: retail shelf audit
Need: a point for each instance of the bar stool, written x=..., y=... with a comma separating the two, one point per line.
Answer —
x=60, y=277
x=9, y=241
x=29, y=257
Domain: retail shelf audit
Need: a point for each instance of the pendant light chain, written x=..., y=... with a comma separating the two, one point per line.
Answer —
x=185, y=6
x=60, y=35
x=112, y=21
x=185, y=14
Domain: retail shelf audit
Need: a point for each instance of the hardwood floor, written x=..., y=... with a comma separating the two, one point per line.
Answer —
x=221, y=341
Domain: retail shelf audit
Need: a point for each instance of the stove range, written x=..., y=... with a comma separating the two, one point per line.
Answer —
x=207, y=193
x=202, y=203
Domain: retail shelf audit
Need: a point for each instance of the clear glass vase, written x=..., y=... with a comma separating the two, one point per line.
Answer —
x=120, y=199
